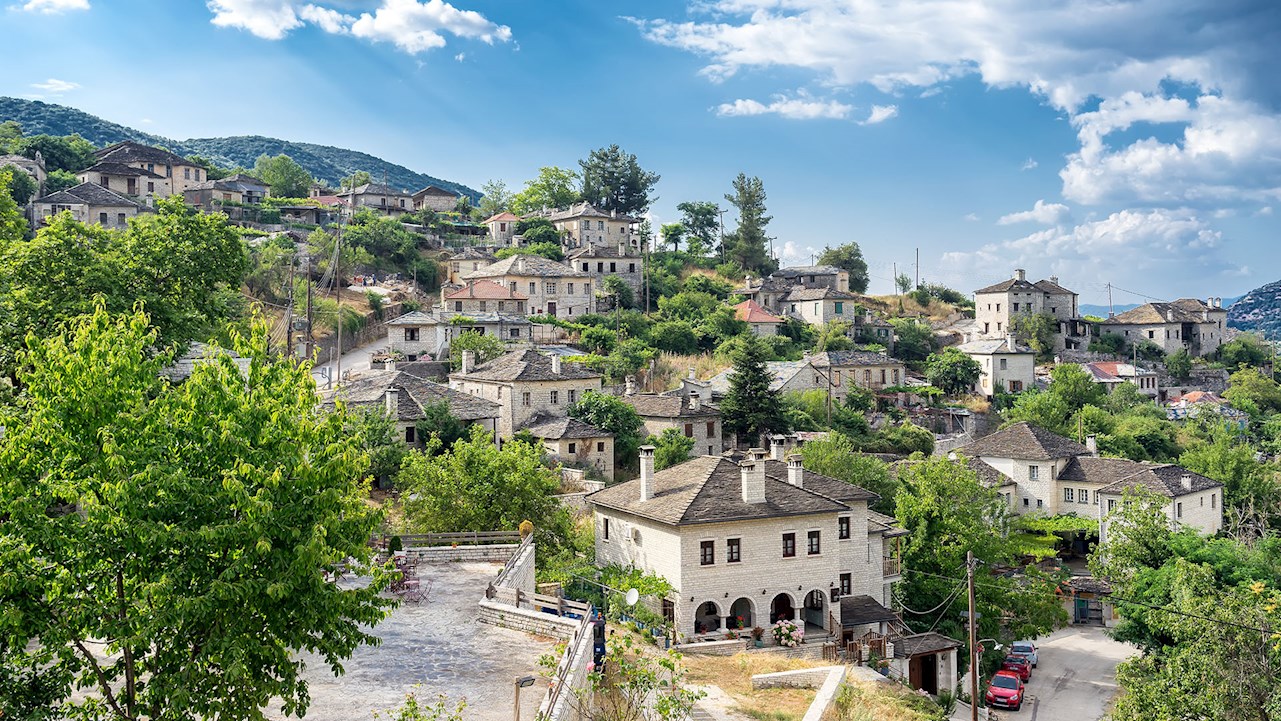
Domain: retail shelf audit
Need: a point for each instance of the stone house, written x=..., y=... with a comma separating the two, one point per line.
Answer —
x=1041, y=472
x=434, y=198
x=768, y=293
x=583, y=224
x=787, y=377
x=238, y=188
x=178, y=173
x=417, y=335
x=483, y=296
x=465, y=261
x=87, y=203
x=379, y=198
x=842, y=369
x=404, y=396
x=820, y=305
x=574, y=443
x=815, y=276
x=126, y=179
x=34, y=167
x=690, y=416
x=553, y=288
x=1111, y=374
x=525, y=384
x=502, y=228
x=748, y=542
x=1005, y=364
x=996, y=306
x=1187, y=324
x=757, y=318
x=601, y=261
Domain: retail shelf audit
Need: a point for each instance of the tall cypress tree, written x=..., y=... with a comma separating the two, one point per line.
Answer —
x=750, y=408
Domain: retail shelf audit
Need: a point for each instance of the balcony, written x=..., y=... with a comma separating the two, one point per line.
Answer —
x=892, y=566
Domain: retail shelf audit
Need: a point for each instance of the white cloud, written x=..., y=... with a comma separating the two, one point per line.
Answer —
x=1029, y=164
x=1041, y=212
x=880, y=113
x=53, y=86
x=51, y=7
x=268, y=19
x=460, y=57
x=145, y=121
x=800, y=107
x=1135, y=59
x=417, y=26
x=327, y=19
x=971, y=217
x=1264, y=211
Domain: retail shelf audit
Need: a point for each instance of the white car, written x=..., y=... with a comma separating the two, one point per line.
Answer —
x=1026, y=649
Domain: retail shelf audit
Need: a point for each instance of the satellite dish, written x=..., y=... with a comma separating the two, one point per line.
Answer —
x=632, y=597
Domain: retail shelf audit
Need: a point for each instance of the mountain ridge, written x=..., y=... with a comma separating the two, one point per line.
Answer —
x=1259, y=310
x=327, y=163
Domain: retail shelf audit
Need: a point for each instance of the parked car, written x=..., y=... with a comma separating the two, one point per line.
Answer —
x=1005, y=690
x=1018, y=665
x=1026, y=649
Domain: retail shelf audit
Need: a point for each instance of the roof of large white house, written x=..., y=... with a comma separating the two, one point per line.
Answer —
x=413, y=394
x=526, y=265
x=1183, y=310
x=1118, y=474
x=88, y=194
x=527, y=365
x=1024, y=441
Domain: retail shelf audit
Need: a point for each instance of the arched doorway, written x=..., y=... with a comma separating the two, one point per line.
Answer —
x=781, y=608
x=740, y=614
x=815, y=605
x=707, y=618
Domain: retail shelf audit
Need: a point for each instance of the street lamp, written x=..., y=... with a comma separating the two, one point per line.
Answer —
x=521, y=682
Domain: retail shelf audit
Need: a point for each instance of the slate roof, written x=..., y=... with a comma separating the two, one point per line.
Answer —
x=470, y=253
x=991, y=346
x=922, y=643
x=751, y=312
x=1164, y=479
x=374, y=189
x=1050, y=286
x=1089, y=584
x=121, y=169
x=486, y=290
x=795, y=270
x=435, y=190
x=1025, y=442
x=800, y=294
x=556, y=428
x=781, y=373
x=708, y=489
x=585, y=210
x=413, y=394
x=238, y=182
x=767, y=285
x=526, y=365
x=846, y=358
x=860, y=610
x=881, y=523
x=87, y=193
x=988, y=475
x=130, y=152
x=656, y=406
x=1113, y=372
x=1183, y=310
x=415, y=317
x=526, y=266
x=598, y=250
x=1008, y=285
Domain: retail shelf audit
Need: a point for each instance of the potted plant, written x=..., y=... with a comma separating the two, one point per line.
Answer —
x=731, y=634
x=757, y=633
x=395, y=545
x=881, y=665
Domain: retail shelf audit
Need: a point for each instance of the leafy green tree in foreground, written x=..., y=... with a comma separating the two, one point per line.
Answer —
x=189, y=527
x=20, y=185
x=612, y=414
x=671, y=448
x=837, y=456
x=553, y=188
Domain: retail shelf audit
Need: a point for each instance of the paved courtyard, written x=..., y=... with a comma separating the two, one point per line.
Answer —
x=439, y=645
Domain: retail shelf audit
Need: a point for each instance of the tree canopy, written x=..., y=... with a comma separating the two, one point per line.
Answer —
x=286, y=177
x=951, y=371
x=848, y=257
x=750, y=409
x=553, y=188
x=701, y=223
x=610, y=413
x=614, y=181
x=747, y=246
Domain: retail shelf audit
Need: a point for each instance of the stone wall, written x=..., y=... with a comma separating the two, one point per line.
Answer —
x=714, y=648
x=827, y=679
x=805, y=650
x=497, y=613
x=498, y=552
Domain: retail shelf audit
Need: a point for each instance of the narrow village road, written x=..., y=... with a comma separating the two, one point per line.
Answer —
x=1076, y=678
x=355, y=359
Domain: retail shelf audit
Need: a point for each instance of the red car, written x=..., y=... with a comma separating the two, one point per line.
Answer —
x=1019, y=665
x=1005, y=690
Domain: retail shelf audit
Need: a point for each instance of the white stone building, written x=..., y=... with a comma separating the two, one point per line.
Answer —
x=378, y=198
x=1005, y=364
x=844, y=369
x=404, y=397
x=820, y=305
x=583, y=224
x=526, y=384
x=465, y=261
x=601, y=261
x=88, y=203
x=502, y=228
x=574, y=443
x=434, y=198
x=177, y=172
x=1111, y=374
x=1187, y=324
x=553, y=288
x=688, y=415
x=484, y=296
x=417, y=335
x=997, y=305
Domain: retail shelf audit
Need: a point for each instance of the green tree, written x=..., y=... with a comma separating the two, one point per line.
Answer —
x=671, y=448
x=551, y=251
x=526, y=226
x=1230, y=461
x=439, y=423
x=674, y=336
x=1250, y=388
x=838, y=457
x=12, y=226
x=1112, y=343
x=486, y=348
x=1075, y=386
x=598, y=340
x=1040, y=408
x=611, y=413
x=60, y=180
x=913, y=341
x=701, y=222
x=20, y=185
x=1179, y=364
x=952, y=371
x=750, y=409
x=1244, y=350
x=69, y=153
x=355, y=180
x=746, y=246
x=553, y=188
x=903, y=283
x=613, y=286
x=495, y=198
x=189, y=526
x=615, y=182
x=377, y=436
x=1037, y=331
x=672, y=234
x=848, y=257
x=632, y=684
x=286, y=177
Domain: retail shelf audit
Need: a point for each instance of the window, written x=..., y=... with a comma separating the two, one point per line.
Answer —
x=197, y=173
x=867, y=378
x=817, y=307
x=409, y=434
x=840, y=308
x=458, y=306
x=382, y=201
x=151, y=186
x=551, y=288
x=186, y=173
x=733, y=550
x=1034, y=473
x=1083, y=495
x=847, y=586
x=606, y=529
x=1178, y=510
x=882, y=376
x=1039, y=503
x=514, y=332
x=411, y=334
x=555, y=397
x=533, y=287
x=600, y=446
x=895, y=374
x=1005, y=363
x=813, y=538
x=789, y=545
x=1151, y=334
x=1025, y=502
x=998, y=310
x=1111, y=505
x=600, y=225
x=613, y=267
x=102, y=218
x=843, y=527
x=600, y=267
x=571, y=396
x=836, y=378
x=569, y=288
x=1069, y=495
x=168, y=171
x=689, y=430
x=711, y=429
x=573, y=448
x=1213, y=501
x=584, y=267
x=525, y=399
x=1016, y=307
x=631, y=267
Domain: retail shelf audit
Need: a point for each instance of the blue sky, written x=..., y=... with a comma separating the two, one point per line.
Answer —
x=1135, y=142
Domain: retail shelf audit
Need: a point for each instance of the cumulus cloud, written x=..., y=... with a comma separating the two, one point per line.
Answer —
x=1029, y=164
x=1041, y=212
x=880, y=113
x=410, y=25
x=971, y=217
x=799, y=107
x=52, y=7
x=1206, y=71
x=54, y=86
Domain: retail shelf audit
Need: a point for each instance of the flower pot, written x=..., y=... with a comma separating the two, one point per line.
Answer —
x=760, y=643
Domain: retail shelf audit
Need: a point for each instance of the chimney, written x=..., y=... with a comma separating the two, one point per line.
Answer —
x=1054, y=279
x=1218, y=302
x=753, y=472
x=1187, y=482
x=795, y=470
x=555, y=365
x=520, y=263
x=391, y=399
x=469, y=360
x=1092, y=445
x=1020, y=274
x=694, y=402
x=1014, y=342
x=613, y=213
x=691, y=374
x=629, y=385
x=778, y=448
x=389, y=365
x=646, y=472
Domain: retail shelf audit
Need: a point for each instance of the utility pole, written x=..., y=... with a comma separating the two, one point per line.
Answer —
x=720, y=216
x=974, y=655
x=1111, y=311
x=895, y=266
x=311, y=343
x=289, y=310
x=918, y=267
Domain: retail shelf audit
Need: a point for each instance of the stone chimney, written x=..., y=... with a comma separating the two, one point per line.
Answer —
x=520, y=263
x=555, y=365
x=389, y=365
x=646, y=472
x=694, y=401
x=1020, y=274
x=795, y=470
x=629, y=386
x=1218, y=302
x=1012, y=341
x=1092, y=445
x=391, y=400
x=778, y=447
x=1186, y=481
x=469, y=360
x=691, y=375
x=753, y=472
x=1054, y=279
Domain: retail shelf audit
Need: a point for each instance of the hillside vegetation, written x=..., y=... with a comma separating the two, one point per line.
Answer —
x=1259, y=310
x=325, y=162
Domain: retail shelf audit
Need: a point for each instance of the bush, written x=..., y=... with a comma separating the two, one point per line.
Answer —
x=395, y=544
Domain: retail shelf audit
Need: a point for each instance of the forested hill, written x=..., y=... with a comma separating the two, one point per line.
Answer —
x=328, y=163
x=1259, y=310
